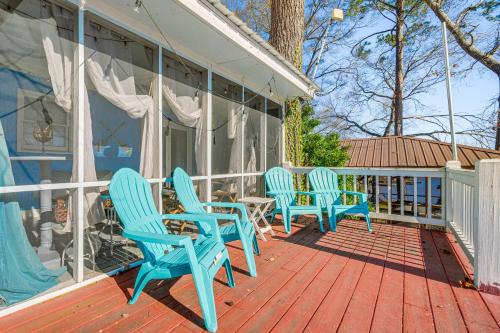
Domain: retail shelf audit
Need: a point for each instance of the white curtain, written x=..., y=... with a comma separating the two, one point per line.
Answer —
x=251, y=167
x=57, y=36
x=236, y=147
x=184, y=102
x=59, y=52
x=232, y=117
x=109, y=67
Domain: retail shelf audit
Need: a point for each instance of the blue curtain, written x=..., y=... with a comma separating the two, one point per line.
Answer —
x=22, y=274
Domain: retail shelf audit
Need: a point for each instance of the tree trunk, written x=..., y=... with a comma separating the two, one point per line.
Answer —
x=390, y=123
x=398, y=88
x=287, y=34
x=287, y=29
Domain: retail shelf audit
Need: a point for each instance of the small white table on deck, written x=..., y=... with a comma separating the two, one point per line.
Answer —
x=257, y=208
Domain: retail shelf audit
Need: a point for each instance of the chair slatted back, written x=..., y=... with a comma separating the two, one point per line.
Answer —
x=280, y=181
x=325, y=181
x=185, y=192
x=133, y=201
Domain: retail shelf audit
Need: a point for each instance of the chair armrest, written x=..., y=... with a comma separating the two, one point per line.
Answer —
x=168, y=180
x=174, y=240
x=362, y=196
x=313, y=195
x=197, y=219
x=193, y=217
x=276, y=193
x=236, y=205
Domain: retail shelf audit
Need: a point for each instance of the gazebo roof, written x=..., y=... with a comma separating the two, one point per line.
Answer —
x=410, y=152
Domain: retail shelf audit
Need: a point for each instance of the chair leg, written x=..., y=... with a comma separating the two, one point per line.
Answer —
x=247, y=244
x=320, y=222
x=332, y=220
x=140, y=282
x=287, y=222
x=272, y=217
x=229, y=273
x=288, y=225
x=368, y=222
x=204, y=289
x=256, y=245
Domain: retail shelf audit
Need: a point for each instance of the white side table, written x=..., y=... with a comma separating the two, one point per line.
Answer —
x=48, y=256
x=257, y=208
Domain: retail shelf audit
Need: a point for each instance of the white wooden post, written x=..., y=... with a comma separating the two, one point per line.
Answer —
x=78, y=274
x=243, y=121
x=265, y=136
x=448, y=210
x=428, y=197
x=389, y=194
x=344, y=187
x=486, y=225
x=159, y=104
x=355, y=187
x=415, y=198
x=401, y=195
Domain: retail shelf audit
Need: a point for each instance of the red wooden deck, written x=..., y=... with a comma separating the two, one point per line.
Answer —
x=396, y=279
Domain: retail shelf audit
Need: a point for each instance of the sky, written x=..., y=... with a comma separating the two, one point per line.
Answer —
x=471, y=94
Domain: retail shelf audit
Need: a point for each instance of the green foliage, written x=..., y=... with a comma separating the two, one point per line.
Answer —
x=319, y=149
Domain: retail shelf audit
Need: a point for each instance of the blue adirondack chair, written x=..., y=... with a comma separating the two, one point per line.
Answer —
x=279, y=186
x=324, y=182
x=240, y=229
x=165, y=255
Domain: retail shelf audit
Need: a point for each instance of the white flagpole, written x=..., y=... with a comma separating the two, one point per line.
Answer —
x=448, y=90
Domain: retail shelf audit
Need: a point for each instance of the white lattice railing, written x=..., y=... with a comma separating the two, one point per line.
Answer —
x=473, y=214
x=461, y=185
x=467, y=202
x=396, y=194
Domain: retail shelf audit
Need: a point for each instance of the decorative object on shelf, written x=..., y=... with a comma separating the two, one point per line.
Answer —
x=99, y=150
x=60, y=210
x=124, y=151
x=43, y=131
x=106, y=199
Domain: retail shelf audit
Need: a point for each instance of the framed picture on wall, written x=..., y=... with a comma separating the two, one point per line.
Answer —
x=42, y=125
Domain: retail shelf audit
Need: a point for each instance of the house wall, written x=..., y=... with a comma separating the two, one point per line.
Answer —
x=106, y=118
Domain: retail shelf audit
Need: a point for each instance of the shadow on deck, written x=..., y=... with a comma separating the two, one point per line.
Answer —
x=395, y=279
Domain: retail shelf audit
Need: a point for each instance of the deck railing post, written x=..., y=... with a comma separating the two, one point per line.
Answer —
x=209, y=134
x=486, y=225
x=78, y=269
x=159, y=105
x=449, y=197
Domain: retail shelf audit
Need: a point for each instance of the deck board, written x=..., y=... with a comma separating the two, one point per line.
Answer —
x=417, y=316
x=393, y=280
x=473, y=309
x=447, y=316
